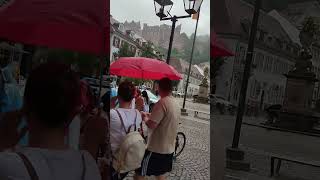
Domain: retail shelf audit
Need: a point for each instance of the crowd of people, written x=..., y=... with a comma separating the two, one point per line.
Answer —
x=59, y=130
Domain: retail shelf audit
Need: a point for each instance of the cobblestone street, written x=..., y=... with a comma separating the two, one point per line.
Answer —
x=194, y=162
x=259, y=143
x=194, y=106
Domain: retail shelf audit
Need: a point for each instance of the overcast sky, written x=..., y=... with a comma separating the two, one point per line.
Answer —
x=143, y=11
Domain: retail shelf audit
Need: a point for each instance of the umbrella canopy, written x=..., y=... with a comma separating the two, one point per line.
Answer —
x=143, y=68
x=218, y=49
x=78, y=25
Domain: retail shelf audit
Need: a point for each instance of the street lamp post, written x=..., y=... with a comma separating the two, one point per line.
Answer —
x=163, y=8
x=183, y=110
x=234, y=154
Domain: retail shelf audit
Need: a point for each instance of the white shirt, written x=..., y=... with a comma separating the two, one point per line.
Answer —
x=117, y=132
x=48, y=164
x=133, y=103
x=74, y=133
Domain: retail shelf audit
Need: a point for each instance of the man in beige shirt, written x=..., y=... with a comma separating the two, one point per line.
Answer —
x=163, y=124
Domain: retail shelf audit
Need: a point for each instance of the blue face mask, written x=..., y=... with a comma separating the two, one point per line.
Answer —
x=11, y=89
x=8, y=73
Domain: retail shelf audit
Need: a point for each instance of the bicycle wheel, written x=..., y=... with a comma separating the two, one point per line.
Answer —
x=180, y=143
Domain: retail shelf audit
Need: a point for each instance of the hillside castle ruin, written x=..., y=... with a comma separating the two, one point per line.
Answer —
x=159, y=35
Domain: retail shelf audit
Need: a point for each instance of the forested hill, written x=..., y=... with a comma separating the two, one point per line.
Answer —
x=201, y=52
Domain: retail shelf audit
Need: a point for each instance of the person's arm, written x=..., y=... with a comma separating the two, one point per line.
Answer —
x=139, y=104
x=152, y=120
x=151, y=124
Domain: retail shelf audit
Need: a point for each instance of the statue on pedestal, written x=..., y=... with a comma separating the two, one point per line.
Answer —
x=309, y=34
x=203, y=88
x=296, y=112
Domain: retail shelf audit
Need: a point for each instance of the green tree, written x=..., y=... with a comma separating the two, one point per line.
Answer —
x=124, y=51
x=147, y=50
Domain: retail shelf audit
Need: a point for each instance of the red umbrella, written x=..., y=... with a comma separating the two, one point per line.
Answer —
x=79, y=25
x=143, y=68
x=218, y=49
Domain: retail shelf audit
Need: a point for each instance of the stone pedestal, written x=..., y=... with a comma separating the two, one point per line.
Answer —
x=184, y=112
x=296, y=112
x=236, y=160
x=203, y=93
x=299, y=92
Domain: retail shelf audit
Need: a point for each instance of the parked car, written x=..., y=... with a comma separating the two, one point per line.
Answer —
x=180, y=94
x=221, y=103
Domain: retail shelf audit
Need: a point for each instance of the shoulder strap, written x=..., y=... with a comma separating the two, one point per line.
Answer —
x=122, y=123
x=84, y=167
x=32, y=172
x=117, y=102
x=135, y=121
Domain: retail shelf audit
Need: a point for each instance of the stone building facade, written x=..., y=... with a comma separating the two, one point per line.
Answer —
x=119, y=34
x=195, y=78
x=275, y=54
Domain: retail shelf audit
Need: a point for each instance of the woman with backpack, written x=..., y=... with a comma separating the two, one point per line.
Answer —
x=51, y=101
x=123, y=121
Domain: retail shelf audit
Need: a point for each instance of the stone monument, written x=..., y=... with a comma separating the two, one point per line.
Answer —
x=203, y=88
x=296, y=112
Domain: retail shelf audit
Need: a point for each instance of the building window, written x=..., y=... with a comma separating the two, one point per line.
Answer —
x=252, y=88
x=271, y=64
x=276, y=66
x=258, y=89
x=242, y=55
x=262, y=35
x=116, y=42
x=288, y=48
x=259, y=61
x=134, y=49
x=254, y=62
x=265, y=64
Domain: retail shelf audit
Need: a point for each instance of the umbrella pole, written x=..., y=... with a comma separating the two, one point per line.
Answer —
x=101, y=75
x=102, y=60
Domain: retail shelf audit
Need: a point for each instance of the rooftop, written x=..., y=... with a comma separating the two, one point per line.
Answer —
x=182, y=67
x=230, y=16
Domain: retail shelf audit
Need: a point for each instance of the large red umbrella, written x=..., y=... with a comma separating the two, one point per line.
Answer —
x=79, y=25
x=143, y=68
x=218, y=49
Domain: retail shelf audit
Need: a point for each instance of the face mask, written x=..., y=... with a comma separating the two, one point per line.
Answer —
x=8, y=73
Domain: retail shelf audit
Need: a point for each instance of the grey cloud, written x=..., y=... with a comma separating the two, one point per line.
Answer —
x=143, y=11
